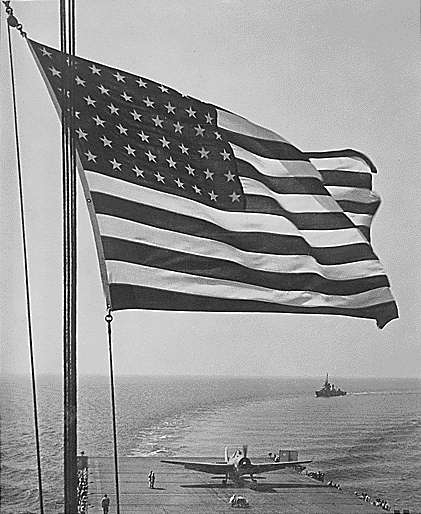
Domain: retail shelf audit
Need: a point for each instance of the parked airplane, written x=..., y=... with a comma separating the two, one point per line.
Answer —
x=236, y=466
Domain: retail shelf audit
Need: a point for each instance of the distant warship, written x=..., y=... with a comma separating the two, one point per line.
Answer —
x=328, y=390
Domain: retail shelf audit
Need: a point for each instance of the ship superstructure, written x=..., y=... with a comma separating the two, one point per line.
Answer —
x=328, y=390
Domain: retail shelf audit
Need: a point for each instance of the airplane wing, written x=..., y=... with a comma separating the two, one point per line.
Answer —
x=276, y=466
x=205, y=467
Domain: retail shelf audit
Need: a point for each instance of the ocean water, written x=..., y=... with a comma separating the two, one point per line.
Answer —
x=369, y=440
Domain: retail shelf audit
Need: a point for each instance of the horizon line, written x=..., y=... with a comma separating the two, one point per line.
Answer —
x=215, y=375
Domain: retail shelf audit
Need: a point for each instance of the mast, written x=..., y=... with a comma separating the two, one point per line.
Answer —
x=67, y=40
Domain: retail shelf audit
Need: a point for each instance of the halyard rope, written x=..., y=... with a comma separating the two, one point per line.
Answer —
x=109, y=319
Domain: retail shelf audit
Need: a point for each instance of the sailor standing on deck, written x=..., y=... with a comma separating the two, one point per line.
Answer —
x=105, y=504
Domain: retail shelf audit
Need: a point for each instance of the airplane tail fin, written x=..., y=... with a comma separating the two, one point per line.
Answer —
x=226, y=454
x=245, y=448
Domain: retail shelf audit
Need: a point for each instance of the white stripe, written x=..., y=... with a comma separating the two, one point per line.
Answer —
x=341, y=237
x=135, y=274
x=294, y=264
x=292, y=202
x=341, y=164
x=354, y=194
x=235, y=221
x=275, y=167
x=235, y=123
x=360, y=219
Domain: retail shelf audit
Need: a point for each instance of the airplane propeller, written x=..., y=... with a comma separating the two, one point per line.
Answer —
x=245, y=448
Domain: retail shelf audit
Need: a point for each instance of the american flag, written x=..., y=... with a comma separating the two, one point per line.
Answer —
x=195, y=208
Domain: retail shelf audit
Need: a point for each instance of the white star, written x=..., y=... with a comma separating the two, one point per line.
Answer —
x=190, y=169
x=143, y=136
x=170, y=108
x=178, y=127
x=203, y=153
x=116, y=165
x=209, y=174
x=208, y=118
x=90, y=156
x=171, y=162
x=130, y=150
x=148, y=102
x=80, y=82
x=179, y=183
x=56, y=73
x=213, y=196
x=163, y=89
x=159, y=177
x=234, y=197
x=126, y=97
x=225, y=155
x=105, y=141
x=120, y=78
x=113, y=109
x=104, y=90
x=45, y=52
x=122, y=129
x=157, y=121
x=184, y=149
x=191, y=112
x=199, y=131
x=230, y=176
x=95, y=70
x=98, y=120
x=81, y=134
x=218, y=135
x=89, y=100
x=198, y=191
x=136, y=115
x=150, y=156
x=164, y=142
x=141, y=83
x=139, y=173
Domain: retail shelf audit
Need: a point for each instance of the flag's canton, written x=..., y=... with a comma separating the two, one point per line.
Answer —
x=143, y=132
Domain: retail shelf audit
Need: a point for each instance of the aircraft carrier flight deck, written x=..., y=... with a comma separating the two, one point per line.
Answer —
x=178, y=490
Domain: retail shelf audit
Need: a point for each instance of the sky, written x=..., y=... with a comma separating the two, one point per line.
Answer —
x=325, y=74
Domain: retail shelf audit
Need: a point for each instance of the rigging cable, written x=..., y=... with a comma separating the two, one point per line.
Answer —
x=13, y=22
x=109, y=319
